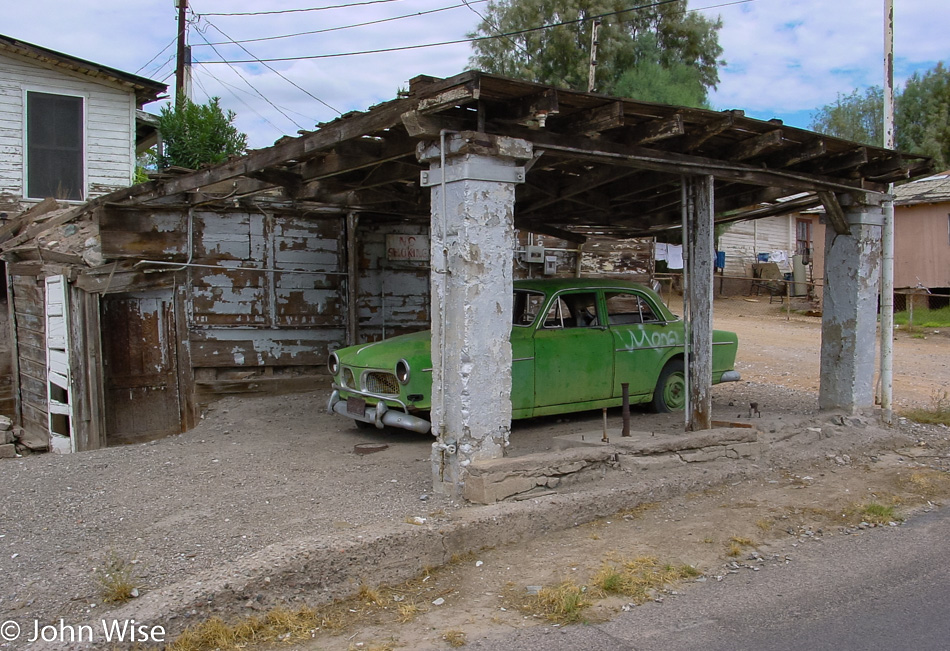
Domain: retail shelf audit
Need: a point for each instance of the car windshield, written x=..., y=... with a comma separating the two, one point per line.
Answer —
x=525, y=307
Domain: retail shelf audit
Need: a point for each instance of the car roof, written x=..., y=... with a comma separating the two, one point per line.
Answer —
x=548, y=285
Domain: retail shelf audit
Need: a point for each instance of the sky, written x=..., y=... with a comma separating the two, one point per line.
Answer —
x=783, y=58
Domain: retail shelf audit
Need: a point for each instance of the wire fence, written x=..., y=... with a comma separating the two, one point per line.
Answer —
x=921, y=308
x=741, y=296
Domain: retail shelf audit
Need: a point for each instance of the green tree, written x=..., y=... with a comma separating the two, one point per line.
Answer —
x=922, y=116
x=198, y=134
x=641, y=51
x=857, y=117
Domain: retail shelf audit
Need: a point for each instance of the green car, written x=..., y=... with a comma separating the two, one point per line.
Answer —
x=574, y=342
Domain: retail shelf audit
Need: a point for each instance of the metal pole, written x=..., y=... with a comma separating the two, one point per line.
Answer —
x=887, y=234
x=625, y=388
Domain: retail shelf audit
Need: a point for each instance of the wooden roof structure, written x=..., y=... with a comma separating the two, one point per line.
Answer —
x=603, y=165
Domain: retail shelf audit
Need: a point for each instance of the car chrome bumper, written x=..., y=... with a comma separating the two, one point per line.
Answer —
x=379, y=415
x=730, y=376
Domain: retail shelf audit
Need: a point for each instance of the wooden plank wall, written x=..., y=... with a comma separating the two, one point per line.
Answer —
x=284, y=323
x=393, y=294
x=29, y=315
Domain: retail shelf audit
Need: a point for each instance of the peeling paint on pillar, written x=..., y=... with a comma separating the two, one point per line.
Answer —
x=849, y=309
x=471, y=289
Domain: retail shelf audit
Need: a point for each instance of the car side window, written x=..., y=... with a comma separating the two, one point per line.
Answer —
x=576, y=310
x=525, y=307
x=625, y=308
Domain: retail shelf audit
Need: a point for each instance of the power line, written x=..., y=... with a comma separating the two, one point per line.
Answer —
x=250, y=108
x=466, y=40
x=173, y=41
x=238, y=72
x=304, y=90
x=293, y=11
x=351, y=26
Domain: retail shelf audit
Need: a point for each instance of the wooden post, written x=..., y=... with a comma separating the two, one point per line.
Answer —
x=352, y=279
x=701, y=256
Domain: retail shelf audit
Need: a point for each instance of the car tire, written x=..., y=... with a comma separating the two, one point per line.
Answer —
x=670, y=392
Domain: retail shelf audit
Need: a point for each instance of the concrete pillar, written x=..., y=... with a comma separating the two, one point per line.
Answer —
x=472, y=236
x=849, y=306
x=700, y=257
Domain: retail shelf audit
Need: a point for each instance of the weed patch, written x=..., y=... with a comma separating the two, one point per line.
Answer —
x=117, y=580
x=937, y=413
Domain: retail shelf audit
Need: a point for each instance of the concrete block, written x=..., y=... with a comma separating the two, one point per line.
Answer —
x=5, y=423
x=6, y=437
x=490, y=488
x=710, y=453
x=7, y=451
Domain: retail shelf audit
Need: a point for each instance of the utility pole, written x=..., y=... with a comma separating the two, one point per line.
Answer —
x=887, y=230
x=595, y=27
x=183, y=68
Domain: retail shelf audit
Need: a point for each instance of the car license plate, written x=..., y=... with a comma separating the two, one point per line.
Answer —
x=356, y=406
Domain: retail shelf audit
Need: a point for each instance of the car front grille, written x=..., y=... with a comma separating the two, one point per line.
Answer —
x=381, y=383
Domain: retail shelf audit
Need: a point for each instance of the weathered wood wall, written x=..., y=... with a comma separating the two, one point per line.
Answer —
x=393, y=293
x=28, y=314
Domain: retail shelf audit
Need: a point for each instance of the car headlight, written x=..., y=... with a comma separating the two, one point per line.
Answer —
x=333, y=363
x=402, y=371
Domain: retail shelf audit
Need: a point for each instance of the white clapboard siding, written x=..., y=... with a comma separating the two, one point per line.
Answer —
x=745, y=239
x=109, y=111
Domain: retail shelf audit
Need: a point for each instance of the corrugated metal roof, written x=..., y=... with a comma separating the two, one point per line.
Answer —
x=933, y=189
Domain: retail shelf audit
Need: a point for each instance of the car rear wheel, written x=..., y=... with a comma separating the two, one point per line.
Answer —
x=670, y=392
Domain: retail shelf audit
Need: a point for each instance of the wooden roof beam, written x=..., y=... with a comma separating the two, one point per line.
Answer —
x=655, y=130
x=599, y=177
x=594, y=120
x=712, y=129
x=799, y=154
x=532, y=111
x=754, y=146
x=546, y=229
x=837, y=162
x=355, y=155
x=834, y=212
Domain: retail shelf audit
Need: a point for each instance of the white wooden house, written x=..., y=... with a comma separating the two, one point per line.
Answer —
x=69, y=128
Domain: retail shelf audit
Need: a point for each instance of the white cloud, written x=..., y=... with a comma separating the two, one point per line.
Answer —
x=783, y=57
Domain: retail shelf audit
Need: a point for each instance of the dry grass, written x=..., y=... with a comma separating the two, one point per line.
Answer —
x=640, y=578
x=116, y=579
x=638, y=510
x=563, y=603
x=937, y=413
x=737, y=545
x=455, y=637
x=927, y=484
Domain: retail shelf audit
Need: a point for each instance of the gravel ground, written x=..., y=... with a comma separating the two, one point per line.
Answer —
x=257, y=472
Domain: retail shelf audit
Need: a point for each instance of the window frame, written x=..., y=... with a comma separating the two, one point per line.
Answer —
x=84, y=145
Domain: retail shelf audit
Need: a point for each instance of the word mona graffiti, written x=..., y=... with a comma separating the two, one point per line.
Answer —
x=407, y=247
x=644, y=339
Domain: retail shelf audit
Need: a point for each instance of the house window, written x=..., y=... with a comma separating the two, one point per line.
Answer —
x=803, y=246
x=54, y=146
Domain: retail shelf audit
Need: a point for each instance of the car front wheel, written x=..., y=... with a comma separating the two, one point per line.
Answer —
x=670, y=392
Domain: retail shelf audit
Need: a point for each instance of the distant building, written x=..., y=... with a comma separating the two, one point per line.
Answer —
x=69, y=128
x=922, y=234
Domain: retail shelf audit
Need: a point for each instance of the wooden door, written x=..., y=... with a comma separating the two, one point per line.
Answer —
x=141, y=367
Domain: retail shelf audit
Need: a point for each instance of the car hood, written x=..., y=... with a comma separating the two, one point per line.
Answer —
x=385, y=354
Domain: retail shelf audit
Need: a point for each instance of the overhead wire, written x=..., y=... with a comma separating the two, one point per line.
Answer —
x=162, y=51
x=276, y=72
x=378, y=21
x=250, y=85
x=293, y=11
x=466, y=40
x=241, y=100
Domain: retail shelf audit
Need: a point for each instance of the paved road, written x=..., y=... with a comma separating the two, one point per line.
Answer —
x=883, y=589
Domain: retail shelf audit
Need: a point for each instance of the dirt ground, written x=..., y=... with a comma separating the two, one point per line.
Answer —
x=260, y=473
